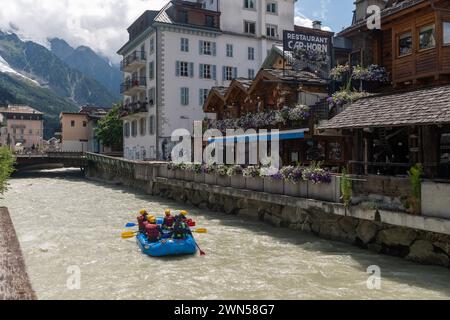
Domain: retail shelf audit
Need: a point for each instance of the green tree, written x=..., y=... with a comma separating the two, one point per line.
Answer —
x=109, y=130
x=7, y=161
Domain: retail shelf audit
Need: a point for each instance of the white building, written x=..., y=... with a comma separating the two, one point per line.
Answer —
x=175, y=55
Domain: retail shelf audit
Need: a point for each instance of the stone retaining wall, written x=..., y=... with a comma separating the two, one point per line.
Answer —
x=14, y=282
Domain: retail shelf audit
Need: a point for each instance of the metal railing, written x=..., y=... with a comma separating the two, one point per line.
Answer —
x=137, y=56
x=132, y=83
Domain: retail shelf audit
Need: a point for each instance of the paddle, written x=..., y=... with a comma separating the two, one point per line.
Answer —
x=131, y=234
x=202, y=253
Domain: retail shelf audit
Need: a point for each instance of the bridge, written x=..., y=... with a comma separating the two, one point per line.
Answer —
x=66, y=159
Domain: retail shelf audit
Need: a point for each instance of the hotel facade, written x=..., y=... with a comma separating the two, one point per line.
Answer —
x=176, y=55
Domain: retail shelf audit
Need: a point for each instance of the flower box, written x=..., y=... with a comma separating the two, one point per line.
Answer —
x=223, y=181
x=329, y=192
x=199, y=177
x=180, y=174
x=255, y=184
x=238, y=182
x=296, y=189
x=273, y=186
x=163, y=171
x=170, y=174
x=210, y=178
x=188, y=175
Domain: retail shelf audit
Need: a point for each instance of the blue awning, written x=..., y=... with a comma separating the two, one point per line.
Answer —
x=269, y=136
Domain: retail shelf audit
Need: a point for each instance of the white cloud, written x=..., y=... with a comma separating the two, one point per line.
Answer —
x=99, y=24
x=301, y=20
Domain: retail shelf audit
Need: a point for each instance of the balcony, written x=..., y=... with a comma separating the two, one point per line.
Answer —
x=134, y=61
x=134, y=108
x=133, y=86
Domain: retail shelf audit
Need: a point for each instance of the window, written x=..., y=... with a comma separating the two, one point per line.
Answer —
x=251, y=73
x=446, y=29
x=251, y=53
x=271, y=31
x=427, y=37
x=84, y=124
x=249, y=27
x=151, y=70
x=183, y=16
x=143, y=126
x=184, y=69
x=230, y=50
x=203, y=96
x=207, y=71
x=229, y=73
x=184, y=96
x=271, y=7
x=152, y=45
x=209, y=21
x=134, y=128
x=151, y=125
x=405, y=44
x=72, y=123
x=184, y=45
x=207, y=48
x=152, y=96
x=249, y=4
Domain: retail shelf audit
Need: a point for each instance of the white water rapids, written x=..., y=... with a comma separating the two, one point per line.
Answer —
x=64, y=220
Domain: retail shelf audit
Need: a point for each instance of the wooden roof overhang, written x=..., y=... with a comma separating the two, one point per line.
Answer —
x=215, y=101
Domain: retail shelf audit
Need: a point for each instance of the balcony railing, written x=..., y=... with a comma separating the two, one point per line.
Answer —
x=133, y=85
x=133, y=108
x=133, y=61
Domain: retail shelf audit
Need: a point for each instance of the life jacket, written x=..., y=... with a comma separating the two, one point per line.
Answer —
x=152, y=232
x=179, y=230
x=169, y=221
x=141, y=223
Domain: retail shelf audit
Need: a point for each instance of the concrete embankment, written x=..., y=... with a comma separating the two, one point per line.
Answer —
x=14, y=282
x=416, y=238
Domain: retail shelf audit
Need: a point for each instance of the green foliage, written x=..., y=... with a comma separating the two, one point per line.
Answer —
x=415, y=174
x=110, y=129
x=6, y=168
x=346, y=188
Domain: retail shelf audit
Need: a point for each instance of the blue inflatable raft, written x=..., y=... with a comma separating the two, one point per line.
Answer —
x=167, y=247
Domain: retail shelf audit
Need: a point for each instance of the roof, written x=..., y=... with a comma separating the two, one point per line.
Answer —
x=19, y=109
x=395, y=8
x=220, y=90
x=297, y=76
x=427, y=106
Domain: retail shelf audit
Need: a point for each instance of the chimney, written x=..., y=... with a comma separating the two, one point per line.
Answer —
x=317, y=25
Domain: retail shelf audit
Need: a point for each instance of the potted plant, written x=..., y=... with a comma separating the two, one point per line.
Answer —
x=199, y=175
x=189, y=172
x=273, y=180
x=294, y=185
x=253, y=179
x=180, y=171
x=236, y=175
x=321, y=185
x=210, y=174
x=171, y=168
x=222, y=175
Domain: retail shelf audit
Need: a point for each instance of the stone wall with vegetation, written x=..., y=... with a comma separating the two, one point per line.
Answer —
x=363, y=225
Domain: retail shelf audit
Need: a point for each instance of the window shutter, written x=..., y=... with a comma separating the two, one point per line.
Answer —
x=201, y=47
x=200, y=97
x=186, y=95
x=235, y=71
x=177, y=69
x=214, y=48
x=214, y=72
x=191, y=69
x=224, y=73
x=201, y=71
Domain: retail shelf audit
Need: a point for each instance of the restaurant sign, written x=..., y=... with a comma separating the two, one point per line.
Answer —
x=294, y=41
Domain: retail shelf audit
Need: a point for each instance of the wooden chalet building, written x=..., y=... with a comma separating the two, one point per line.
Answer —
x=409, y=122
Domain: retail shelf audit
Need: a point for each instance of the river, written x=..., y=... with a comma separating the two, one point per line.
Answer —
x=64, y=220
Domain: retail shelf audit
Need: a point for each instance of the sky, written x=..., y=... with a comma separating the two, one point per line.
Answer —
x=102, y=24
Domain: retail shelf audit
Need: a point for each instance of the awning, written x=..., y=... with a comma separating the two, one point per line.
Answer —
x=269, y=136
x=427, y=106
